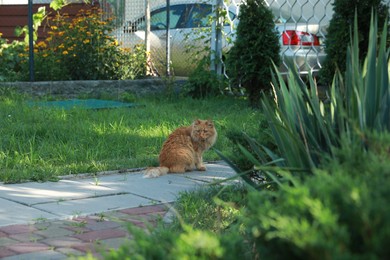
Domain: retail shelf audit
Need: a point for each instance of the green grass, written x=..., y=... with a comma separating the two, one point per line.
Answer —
x=213, y=208
x=40, y=144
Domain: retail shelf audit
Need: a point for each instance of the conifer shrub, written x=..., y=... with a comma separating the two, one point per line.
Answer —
x=249, y=61
x=341, y=28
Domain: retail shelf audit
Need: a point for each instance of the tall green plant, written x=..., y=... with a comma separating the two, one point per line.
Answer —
x=257, y=45
x=306, y=130
x=369, y=85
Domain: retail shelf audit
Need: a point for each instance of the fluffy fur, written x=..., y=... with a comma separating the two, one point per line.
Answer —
x=183, y=149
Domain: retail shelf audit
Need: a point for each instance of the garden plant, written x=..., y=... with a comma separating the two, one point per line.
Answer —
x=339, y=32
x=324, y=164
x=76, y=48
x=257, y=45
x=326, y=194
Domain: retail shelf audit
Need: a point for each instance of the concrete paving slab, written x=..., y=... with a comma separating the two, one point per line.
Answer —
x=162, y=189
x=14, y=213
x=165, y=188
x=83, y=207
x=44, y=255
x=215, y=173
x=22, y=203
x=34, y=193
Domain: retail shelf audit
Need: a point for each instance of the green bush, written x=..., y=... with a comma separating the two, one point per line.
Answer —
x=340, y=28
x=204, y=83
x=13, y=59
x=249, y=61
x=208, y=233
x=82, y=45
x=338, y=213
x=78, y=48
x=340, y=210
x=306, y=130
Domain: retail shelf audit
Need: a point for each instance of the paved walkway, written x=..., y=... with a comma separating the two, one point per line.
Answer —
x=57, y=220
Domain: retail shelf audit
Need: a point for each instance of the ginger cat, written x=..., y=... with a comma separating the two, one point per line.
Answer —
x=183, y=149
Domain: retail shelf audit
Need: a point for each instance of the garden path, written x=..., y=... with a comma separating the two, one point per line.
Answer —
x=55, y=220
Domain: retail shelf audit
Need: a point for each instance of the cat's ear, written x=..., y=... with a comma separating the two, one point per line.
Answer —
x=210, y=122
x=197, y=122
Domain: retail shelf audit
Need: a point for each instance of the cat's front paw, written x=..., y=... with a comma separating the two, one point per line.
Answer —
x=201, y=168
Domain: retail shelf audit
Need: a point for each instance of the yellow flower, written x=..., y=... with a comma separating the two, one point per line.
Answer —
x=86, y=41
x=61, y=46
x=54, y=27
x=65, y=52
x=41, y=44
x=45, y=55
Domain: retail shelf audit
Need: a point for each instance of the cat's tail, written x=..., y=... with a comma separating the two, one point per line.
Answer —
x=154, y=172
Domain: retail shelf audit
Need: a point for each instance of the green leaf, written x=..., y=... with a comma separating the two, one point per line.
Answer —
x=58, y=4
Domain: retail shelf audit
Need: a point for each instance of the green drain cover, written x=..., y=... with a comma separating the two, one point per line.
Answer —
x=82, y=103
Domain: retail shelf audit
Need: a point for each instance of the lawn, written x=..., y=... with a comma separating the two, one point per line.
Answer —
x=40, y=143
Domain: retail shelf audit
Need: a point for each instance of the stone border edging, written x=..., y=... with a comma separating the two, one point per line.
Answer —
x=93, y=88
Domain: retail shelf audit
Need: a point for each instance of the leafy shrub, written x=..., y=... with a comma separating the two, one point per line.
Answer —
x=78, y=48
x=306, y=130
x=204, y=83
x=339, y=32
x=14, y=56
x=216, y=211
x=13, y=60
x=249, y=61
x=83, y=47
x=339, y=212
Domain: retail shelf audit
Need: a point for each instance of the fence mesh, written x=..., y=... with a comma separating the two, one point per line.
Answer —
x=301, y=23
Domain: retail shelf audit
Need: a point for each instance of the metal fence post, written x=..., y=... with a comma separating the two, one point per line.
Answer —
x=147, y=36
x=168, y=41
x=31, y=40
x=216, y=38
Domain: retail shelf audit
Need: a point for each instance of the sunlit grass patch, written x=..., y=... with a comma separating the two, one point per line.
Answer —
x=40, y=144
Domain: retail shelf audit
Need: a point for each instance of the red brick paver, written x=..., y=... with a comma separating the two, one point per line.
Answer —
x=100, y=235
x=29, y=247
x=77, y=236
x=17, y=229
x=4, y=252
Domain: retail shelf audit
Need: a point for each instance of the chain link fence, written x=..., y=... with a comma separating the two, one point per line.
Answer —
x=194, y=27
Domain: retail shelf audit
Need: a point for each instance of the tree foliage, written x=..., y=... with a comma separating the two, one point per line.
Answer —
x=340, y=31
x=249, y=61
